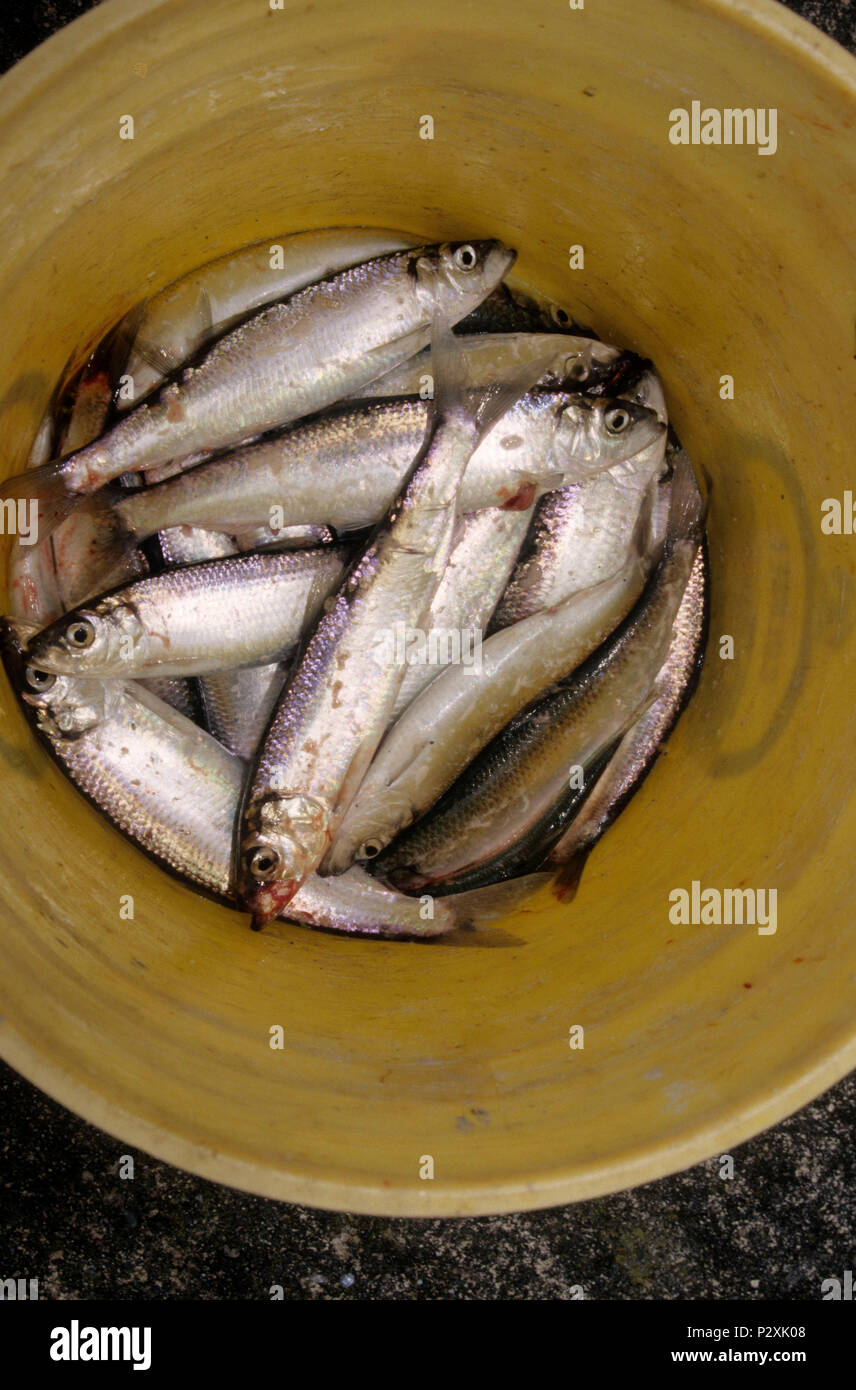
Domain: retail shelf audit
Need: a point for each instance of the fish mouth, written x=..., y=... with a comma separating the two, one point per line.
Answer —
x=53, y=662
x=269, y=900
x=500, y=257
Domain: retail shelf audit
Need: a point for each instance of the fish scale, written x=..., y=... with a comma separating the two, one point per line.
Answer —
x=172, y=790
x=241, y=610
x=235, y=704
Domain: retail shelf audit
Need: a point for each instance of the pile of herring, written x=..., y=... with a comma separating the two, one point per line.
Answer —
x=365, y=589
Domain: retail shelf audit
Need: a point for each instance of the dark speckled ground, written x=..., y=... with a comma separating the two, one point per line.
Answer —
x=786, y=1221
x=783, y=1224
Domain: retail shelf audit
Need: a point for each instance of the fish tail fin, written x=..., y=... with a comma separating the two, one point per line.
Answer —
x=118, y=343
x=495, y=900
x=113, y=547
x=43, y=489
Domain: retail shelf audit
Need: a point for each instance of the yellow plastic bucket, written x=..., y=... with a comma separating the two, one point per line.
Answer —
x=550, y=130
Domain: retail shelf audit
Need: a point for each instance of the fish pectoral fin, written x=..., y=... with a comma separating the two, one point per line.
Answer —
x=203, y=311
x=156, y=357
x=542, y=482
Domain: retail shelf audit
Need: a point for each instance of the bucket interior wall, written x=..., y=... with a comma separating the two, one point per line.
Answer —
x=550, y=129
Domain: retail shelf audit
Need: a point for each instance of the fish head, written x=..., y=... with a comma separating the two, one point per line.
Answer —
x=286, y=840
x=371, y=823
x=595, y=434
x=91, y=641
x=624, y=428
x=584, y=368
x=68, y=706
x=649, y=391
x=454, y=278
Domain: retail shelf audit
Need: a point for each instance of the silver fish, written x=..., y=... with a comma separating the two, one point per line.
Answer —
x=580, y=533
x=516, y=784
x=288, y=360
x=59, y=570
x=356, y=902
x=173, y=791
x=339, y=702
x=499, y=820
x=345, y=469
x=459, y=712
x=200, y=306
x=233, y=704
x=245, y=610
x=489, y=356
x=643, y=743
x=166, y=784
x=483, y=554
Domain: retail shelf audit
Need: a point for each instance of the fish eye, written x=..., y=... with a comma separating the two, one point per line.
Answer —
x=370, y=850
x=40, y=680
x=578, y=370
x=559, y=315
x=263, y=861
x=465, y=258
x=80, y=634
x=616, y=419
